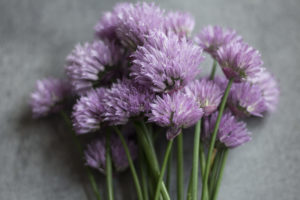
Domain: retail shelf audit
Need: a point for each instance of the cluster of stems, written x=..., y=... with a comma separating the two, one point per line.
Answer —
x=149, y=182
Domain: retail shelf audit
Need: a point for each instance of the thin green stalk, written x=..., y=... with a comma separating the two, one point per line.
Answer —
x=108, y=169
x=80, y=151
x=180, y=167
x=215, y=195
x=150, y=155
x=131, y=165
x=213, y=140
x=189, y=192
x=213, y=70
x=202, y=158
x=143, y=172
x=163, y=169
x=196, y=161
x=214, y=172
x=169, y=172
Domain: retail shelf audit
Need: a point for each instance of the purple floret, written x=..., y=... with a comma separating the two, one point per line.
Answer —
x=207, y=93
x=95, y=154
x=88, y=111
x=126, y=99
x=180, y=23
x=239, y=61
x=245, y=99
x=165, y=62
x=211, y=38
x=269, y=89
x=49, y=96
x=175, y=111
x=231, y=133
x=135, y=21
x=87, y=65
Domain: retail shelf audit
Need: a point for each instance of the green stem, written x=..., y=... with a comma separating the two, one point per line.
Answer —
x=213, y=70
x=213, y=140
x=196, y=161
x=214, y=172
x=131, y=165
x=149, y=151
x=81, y=153
x=202, y=158
x=189, y=192
x=225, y=155
x=162, y=172
x=169, y=172
x=180, y=167
x=143, y=172
x=108, y=169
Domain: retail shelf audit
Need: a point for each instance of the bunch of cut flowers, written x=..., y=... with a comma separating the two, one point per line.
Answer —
x=139, y=82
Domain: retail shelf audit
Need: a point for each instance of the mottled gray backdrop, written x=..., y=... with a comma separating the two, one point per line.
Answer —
x=36, y=157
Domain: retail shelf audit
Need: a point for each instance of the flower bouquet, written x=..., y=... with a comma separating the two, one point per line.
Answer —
x=140, y=81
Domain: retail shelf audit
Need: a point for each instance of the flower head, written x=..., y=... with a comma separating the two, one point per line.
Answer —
x=88, y=111
x=231, y=133
x=245, y=99
x=49, y=96
x=95, y=154
x=207, y=93
x=126, y=99
x=211, y=38
x=165, y=62
x=106, y=27
x=175, y=111
x=269, y=89
x=135, y=21
x=239, y=61
x=179, y=23
x=88, y=64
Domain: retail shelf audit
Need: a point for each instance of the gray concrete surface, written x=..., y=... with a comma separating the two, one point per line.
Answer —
x=36, y=157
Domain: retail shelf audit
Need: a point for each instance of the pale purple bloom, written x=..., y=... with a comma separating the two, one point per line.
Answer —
x=245, y=99
x=88, y=111
x=87, y=64
x=49, y=96
x=95, y=153
x=206, y=93
x=175, y=111
x=211, y=38
x=179, y=23
x=135, y=21
x=126, y=99
x=231, y=133
x=239, y=61
x=269, y=88
x=119, y=157
x=165, y=62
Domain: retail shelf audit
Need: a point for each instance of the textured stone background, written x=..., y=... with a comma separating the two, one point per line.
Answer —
x=36, y=157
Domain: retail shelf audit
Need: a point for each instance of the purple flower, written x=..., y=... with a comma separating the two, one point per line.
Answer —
x=118, y=153
x=207, y=93
x=231, y=133
x=175, y=111
x=179, y=23
x=88, y=64
x=269, y=88
x=211, y=38
x=165, y=62
x=108, y=24
x=49, y=96
x=95, y=154
x=135, y=21
x=88, y=111
x=126, y=99
x=245, y=99
x=239, y=61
